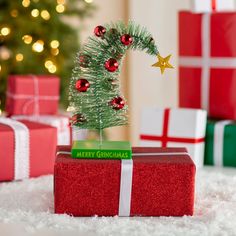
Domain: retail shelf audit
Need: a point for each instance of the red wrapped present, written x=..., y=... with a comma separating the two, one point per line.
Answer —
x=212, y=5
x=32, y=95
x=61, y=122
x=207, y=74
x=27, y=149
x=156, y=182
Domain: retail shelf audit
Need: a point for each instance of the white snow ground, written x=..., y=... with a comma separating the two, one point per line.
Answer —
x=27, y=208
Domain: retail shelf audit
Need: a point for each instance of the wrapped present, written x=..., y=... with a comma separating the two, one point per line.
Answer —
x=207, y=73
x=156, y=182
x=202, y=6
x=220, y=143
x=32, y=95
x=61, y=122
x=175, y=128
x=79, y=134
x=27, y=149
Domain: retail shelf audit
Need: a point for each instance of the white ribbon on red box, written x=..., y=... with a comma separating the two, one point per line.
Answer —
x=34, y=98
x=126, y=177
x=21, y=145
x=206, y=62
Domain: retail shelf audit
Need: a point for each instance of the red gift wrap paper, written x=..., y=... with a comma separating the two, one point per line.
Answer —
x=43, y=141
x=222, y=79
x=161, y=185
x=22, y=95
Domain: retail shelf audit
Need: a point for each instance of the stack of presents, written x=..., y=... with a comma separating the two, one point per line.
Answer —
x=207, y=88
x=159, y=178
x=33, y=127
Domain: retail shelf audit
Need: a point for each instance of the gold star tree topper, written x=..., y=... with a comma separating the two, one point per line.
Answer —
x=163, y=63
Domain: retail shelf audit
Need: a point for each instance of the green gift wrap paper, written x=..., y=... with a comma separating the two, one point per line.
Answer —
x=220, y=146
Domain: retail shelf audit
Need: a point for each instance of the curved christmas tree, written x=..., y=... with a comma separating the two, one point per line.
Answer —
x=94, y=94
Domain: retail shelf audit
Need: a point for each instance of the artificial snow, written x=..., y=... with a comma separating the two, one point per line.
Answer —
x=28, y=205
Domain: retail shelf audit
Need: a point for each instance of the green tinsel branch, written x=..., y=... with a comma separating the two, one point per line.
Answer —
x=92, y=108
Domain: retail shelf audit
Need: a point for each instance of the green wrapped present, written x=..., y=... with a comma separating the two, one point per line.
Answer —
x=220, y=147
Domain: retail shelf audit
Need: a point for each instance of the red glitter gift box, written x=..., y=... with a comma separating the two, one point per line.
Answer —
x=27, y=149
x=32, y=95
x=156, y=182
x=207, y=73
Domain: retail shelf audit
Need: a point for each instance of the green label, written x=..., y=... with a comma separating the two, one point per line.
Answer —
x=106, y=150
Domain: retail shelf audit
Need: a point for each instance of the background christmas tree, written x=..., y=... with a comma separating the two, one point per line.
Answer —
x=35, y=38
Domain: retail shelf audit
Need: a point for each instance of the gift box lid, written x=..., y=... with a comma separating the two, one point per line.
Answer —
x=201, y=6
x=181, y=122
x=180, y=156
x=24, y=84
x=61, y=122
x=30, y=124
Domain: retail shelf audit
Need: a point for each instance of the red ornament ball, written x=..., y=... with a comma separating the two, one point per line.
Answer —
x=126, y=39
x=84, y=61
x=82, y=85
x=117, y=103
x=77, y=119
x=99, y=31
x=111, y=65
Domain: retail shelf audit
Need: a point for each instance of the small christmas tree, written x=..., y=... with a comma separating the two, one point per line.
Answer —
x=94, y=93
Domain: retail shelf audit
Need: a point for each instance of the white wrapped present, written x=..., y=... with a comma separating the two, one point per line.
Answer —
x=79, y=134
x=201, y=6
x=175, y=128
x=61, y=122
